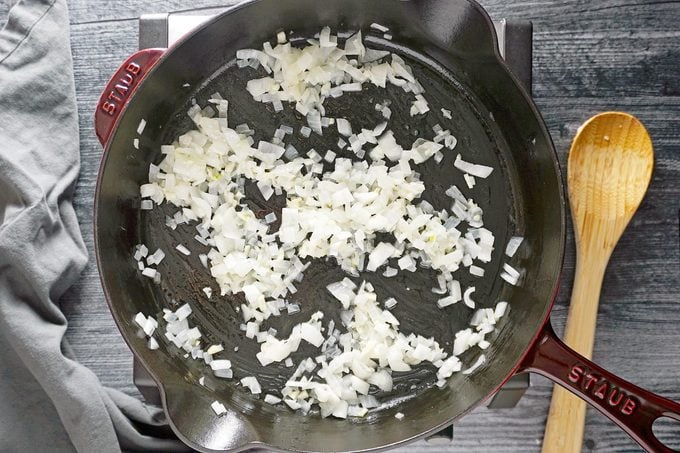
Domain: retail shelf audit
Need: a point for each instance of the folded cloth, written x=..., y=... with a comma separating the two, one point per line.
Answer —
x=48, y=401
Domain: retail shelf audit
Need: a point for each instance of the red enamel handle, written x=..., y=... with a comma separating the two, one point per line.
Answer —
x=632, y=408
x=119, y=90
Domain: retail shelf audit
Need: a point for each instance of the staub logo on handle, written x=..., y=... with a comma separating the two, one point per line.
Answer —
x=119, y=92
x=598, y=387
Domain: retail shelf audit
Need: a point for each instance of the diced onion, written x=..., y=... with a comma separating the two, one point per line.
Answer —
x=501, y=309
x=252, y=384
x=149, y=272
x=379, y=27
x=476, y=271
x=360, y=213
x=467, y=297
x=271, y=399
x=390, y=272
x=218, y=408
x=141, y=127
x=344, y=127
x=509, y=278
x=480, y=171
x=513, y=245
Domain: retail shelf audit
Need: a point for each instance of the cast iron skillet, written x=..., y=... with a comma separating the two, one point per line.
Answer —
x=452, y=47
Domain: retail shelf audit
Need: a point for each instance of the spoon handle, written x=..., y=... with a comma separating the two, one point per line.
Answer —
x=566, y=419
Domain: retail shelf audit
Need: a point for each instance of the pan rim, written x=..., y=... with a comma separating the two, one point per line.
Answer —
x=497, y=59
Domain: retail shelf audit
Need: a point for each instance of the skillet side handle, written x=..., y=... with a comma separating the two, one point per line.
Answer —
x=188, y=407
x=119, y=89
x=462, y=27
x=632, y=408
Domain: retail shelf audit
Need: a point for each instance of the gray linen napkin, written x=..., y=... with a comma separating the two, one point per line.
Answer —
x=48, y=401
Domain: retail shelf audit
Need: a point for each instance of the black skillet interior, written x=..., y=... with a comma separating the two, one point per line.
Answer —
x=495, y=125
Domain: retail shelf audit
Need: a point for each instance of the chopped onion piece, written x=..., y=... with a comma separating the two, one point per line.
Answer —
x=513, y=245
x=390, y=272
x=501, y=309
x=217, y=365
x=380, y=254
x=271, y=399
x=450, y=142
x=218, y=408
x=214, y=349
x=269, y=152
x=252, y=384
x=357, y=411
x=446, y=301
x=141, y=127
x=511, y=271
x=330, y=156
x=344, y=127
x=476, y=271
x=469, y=180
x=510, y=278
x=140, y=319
x=183, y=312
x=156, y=258
x=152, y=344
x=265, y=189
x=467, y=297
x=311, y=334
x=480, y=171
x=149, y=272
x=407, y=263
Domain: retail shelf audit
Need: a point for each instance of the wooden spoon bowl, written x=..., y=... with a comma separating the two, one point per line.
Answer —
x=610, y=166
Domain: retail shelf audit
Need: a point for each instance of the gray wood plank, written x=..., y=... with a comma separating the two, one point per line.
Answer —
x=570, y=14
x=584, y=14
x=4, y=10
x=97, y=51
x=588, y=58
x=83, y=11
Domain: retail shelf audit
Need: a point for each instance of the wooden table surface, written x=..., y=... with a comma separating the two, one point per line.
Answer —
x=589, y=56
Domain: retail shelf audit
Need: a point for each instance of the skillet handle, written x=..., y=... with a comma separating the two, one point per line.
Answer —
x=119, y=90
x=632, y=408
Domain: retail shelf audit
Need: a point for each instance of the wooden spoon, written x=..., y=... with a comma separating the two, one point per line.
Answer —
x=610, y=166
